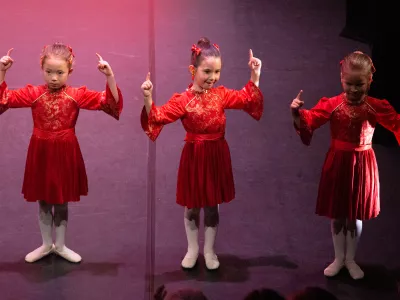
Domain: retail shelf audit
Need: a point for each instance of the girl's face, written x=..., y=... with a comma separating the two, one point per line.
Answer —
x=207, y=73
x=55, y=72
x=355, y=84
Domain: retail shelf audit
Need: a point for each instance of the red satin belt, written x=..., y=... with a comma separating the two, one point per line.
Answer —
x=61, y=134
x=347, y=146
x=194, y=137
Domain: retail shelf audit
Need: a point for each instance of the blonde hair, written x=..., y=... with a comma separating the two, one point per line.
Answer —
x=59, y=50
x=358, y=61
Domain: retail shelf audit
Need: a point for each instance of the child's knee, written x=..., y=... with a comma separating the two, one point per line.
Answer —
x=192, y=213
x=211, y=216
x=44, y=207
x=60, y=213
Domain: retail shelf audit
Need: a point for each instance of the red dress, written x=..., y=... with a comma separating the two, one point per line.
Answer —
x=55, y=170
x=349, y=185
x=205, y=172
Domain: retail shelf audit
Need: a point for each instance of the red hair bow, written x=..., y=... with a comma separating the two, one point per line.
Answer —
x=216, y=46
x=70, y=50
x=196, y=49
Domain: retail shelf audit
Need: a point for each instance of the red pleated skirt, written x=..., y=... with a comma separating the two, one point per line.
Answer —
x=55, y=170
x=349, y=185
x=205, y=177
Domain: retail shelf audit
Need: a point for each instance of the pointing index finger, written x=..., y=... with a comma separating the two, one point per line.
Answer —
x=251, y=54
x=299, y=95
x=9, y=52
x=148, y=76
x=98, y=55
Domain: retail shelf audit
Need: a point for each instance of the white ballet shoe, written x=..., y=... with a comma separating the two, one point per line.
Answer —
x=39, y=253
x=68, y=254
x=60, y=248
x=190, y=260
x=354, y=270
x=212, y=262
x=351, y=248
x=334, y=268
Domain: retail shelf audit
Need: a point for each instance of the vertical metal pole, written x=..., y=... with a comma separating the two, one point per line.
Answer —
x=151, y=174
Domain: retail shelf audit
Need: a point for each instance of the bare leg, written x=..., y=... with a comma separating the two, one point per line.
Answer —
x=46, y=226
x=354, y=229
x=211, y=221
x=338, y=228
x=60, y=222
x=191, y=221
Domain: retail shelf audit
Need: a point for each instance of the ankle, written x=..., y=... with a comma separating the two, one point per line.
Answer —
x=193, y=249
x=59, y=247
x=350, y=261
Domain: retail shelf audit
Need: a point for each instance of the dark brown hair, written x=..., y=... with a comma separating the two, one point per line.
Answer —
x=204, y=49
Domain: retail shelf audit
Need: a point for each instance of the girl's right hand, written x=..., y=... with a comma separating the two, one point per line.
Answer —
x=147, y=87
x=296, y=104
x=6, y=61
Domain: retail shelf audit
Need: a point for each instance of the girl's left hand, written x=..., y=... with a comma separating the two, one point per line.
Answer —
x=254, y=64
x=6, y=61
x=104, y=67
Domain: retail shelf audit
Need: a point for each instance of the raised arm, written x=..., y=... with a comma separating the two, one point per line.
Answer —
x=250, y=98
x=255, y=67
x=110, y=100
x=12, y=98
x=105, y=68
x=307, y=121
x=154, y=118
x=297, y=103
x=5, y=63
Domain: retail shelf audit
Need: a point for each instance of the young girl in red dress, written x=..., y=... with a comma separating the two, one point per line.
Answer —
x=55, y=171
x=349, y=186
x=205, y=172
